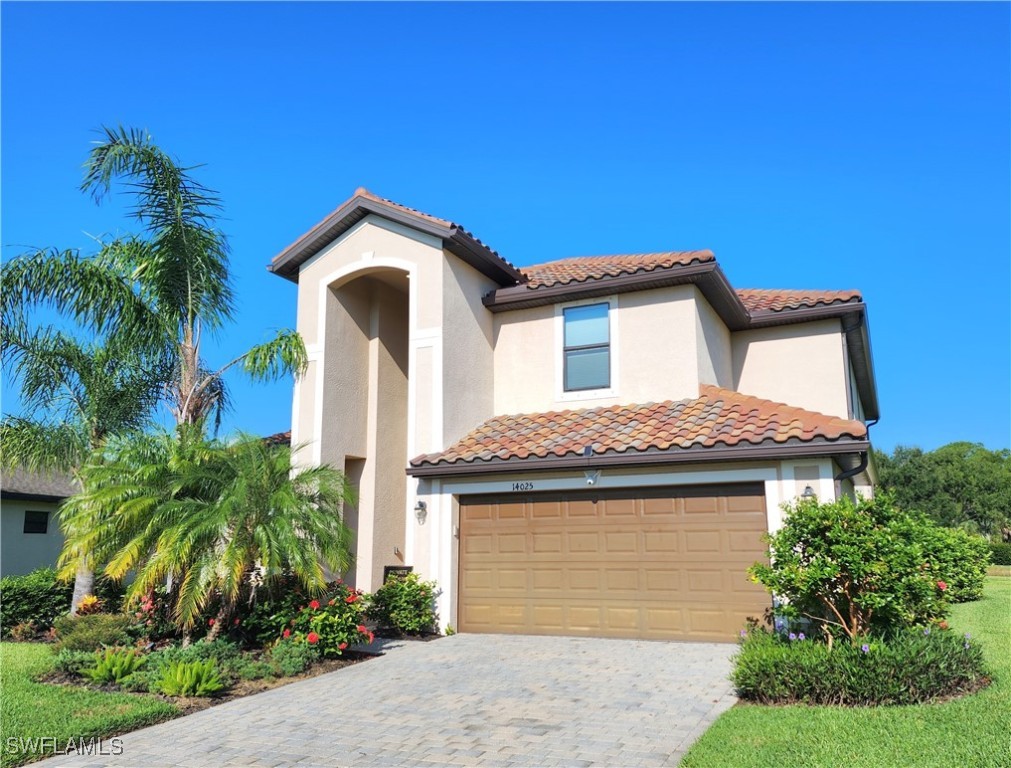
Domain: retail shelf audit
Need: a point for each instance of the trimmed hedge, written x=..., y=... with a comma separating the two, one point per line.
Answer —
x=37, y=597
x=955, y=557
x=92, y=632
x=909, y=668
x=404, y=604
x=1000, y=553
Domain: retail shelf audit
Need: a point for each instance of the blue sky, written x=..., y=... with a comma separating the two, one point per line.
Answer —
x=809, y=145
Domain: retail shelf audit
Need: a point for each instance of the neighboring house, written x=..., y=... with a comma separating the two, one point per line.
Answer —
x=30, y=535
x=590, y=446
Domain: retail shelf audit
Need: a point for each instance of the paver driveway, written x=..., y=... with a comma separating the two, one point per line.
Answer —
x=489, y=700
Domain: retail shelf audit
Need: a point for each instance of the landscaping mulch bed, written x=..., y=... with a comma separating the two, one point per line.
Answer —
x=189, y=705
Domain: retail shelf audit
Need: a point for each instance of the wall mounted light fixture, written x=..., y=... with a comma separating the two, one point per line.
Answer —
x=809, y=493
x=421, y=512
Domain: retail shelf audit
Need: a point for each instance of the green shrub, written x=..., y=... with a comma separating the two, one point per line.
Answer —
x=35, y=597
x=40, y=597
x=190, y=678
x=262, y=621
x=851, y=567
x=1000, y=553
x=90, y=633
x=953, y=557
x=911, y=667
x=405, y=604
x=332, y=626
x=73, y=663
x=293, y=657
x=255, y=669
x=114, y=665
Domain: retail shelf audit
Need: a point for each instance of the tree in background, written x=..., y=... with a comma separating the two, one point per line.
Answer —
x=960, y=485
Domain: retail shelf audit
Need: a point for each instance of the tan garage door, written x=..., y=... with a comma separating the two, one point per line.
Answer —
x=660, y=563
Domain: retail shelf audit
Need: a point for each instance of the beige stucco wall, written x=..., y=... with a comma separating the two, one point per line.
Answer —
x=799, y=364
x=22, y=552
x=664, y=341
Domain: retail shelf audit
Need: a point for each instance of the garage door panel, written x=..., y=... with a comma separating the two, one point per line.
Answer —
x=656, y=563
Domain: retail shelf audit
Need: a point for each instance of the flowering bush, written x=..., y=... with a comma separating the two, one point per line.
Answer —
x=953, y=557
x=852, y=568
x=910, y=667
x=89, y=604
x=405, y=604
x=333, y=625
x=151, y=616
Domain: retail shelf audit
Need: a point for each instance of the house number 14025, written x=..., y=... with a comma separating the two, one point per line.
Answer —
x=524, y=485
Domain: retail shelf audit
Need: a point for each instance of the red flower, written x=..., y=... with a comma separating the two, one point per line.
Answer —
x=313, y=638
x=350, y=598
x=943, y=624
x=371, y=637
x=331, y=602
x=363, y=629
x=286, y=633
x=342, y=646
x=942, y=586
x=210, y=622
x=236, y=622
x=314, y=604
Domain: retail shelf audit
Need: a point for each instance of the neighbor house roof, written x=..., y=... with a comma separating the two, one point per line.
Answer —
x=279, y=438
x=718, y=421
x=36, y=486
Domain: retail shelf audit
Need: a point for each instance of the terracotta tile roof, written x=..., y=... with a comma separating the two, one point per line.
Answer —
x=581, y=268
x=279, y=438
x=718, y=417
x=776, y=300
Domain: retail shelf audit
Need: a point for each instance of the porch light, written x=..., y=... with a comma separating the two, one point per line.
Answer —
x=421, y=511
x=808, y=493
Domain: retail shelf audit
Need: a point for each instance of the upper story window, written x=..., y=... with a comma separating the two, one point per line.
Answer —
x=36, y=522
x=586, y=347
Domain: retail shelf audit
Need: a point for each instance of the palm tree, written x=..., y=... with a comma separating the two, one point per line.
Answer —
x=161, y=291
x=225, y=518
x=156, y=293
x=75, y=396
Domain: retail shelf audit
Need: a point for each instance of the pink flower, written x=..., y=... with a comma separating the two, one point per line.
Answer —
x=312, y=638
x=210, y=622
x=286, y=633
x=350, y=598
x=342, y=646
x=361, y=628
x=331, y=601
x=942, y=586
x=314, y=604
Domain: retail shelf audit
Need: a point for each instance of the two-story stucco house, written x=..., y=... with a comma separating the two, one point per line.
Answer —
x=590, y=446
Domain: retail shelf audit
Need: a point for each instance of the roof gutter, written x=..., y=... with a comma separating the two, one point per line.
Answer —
x=645, y=459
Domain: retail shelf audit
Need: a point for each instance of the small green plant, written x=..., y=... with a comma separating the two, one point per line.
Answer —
x=910, y=667
x=405, y=604
x=90, y=633
x=450, y=630
x=73, y=663
x=191, y=678
x=114, y=665
x=293, y=657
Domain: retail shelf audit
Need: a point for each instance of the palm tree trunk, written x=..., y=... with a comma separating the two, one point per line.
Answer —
x=84, y=584
x=219, y=622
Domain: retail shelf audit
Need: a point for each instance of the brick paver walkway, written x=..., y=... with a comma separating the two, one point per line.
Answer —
x=483, y=700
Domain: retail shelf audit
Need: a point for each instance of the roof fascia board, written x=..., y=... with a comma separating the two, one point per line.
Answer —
x=40, y=497
x=287, y=263
x=647, y=458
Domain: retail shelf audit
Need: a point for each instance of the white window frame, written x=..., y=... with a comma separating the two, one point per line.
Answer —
x=612, y=329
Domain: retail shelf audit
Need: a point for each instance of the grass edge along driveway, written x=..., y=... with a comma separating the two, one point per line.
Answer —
x=31, y=710
x=974, y=731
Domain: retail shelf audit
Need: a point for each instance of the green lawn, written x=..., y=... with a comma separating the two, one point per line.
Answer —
x=29, y=709
x=972, y=731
